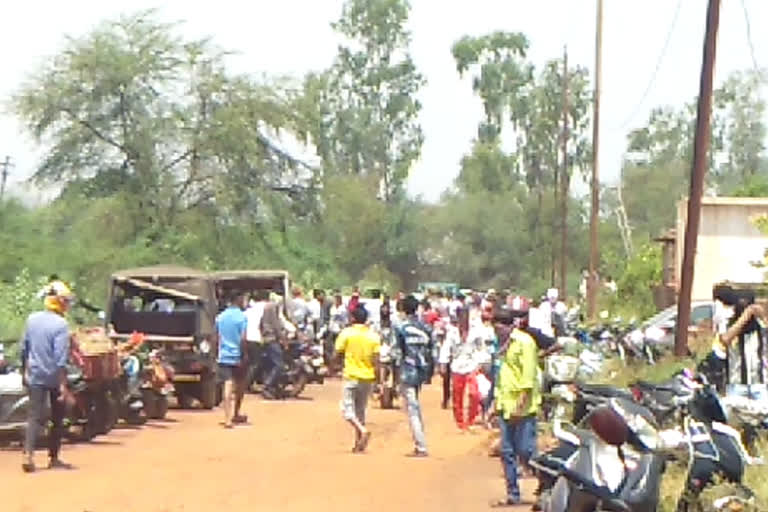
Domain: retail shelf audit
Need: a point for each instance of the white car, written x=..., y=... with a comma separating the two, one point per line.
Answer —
x=660, y=328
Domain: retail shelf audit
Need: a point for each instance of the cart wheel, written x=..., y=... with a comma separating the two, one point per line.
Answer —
x=161, y=407
x=111, y=413
x=150, y=403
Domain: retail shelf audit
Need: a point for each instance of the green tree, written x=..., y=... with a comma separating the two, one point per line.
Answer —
x=132, y=109
x=501, y=75
x=362, y=112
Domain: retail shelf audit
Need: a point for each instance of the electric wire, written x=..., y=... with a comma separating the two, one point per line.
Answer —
x=659, y=61
x=749, y=36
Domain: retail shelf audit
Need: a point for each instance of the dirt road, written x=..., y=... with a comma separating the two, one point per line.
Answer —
x=294, y=457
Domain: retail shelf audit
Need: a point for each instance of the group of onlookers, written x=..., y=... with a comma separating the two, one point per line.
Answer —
x=486, y=347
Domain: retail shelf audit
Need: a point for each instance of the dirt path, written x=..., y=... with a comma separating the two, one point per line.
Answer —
x=294, y=457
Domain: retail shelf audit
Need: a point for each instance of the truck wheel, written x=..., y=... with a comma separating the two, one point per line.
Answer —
x=219, y=393
x=208, y=392
x=184, y=400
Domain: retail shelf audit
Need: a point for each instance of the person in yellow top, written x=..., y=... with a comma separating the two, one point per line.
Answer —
x=518, y=399
x=358, y=346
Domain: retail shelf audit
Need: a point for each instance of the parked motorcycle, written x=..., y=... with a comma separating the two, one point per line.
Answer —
x=125, y=392
x=583, y=471
x=13, y=404
x=156, y=385
x=615, y=466
x=83, y=420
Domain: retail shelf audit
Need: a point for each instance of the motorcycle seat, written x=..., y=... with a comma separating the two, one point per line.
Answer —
x=603, y=390
x=673, y=388
x=637, y=409
x=610, y=502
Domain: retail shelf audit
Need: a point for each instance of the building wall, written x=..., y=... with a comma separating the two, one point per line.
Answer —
x=728, y=244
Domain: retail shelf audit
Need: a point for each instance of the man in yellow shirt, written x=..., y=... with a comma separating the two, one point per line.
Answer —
x=517, y=398
x=358, y=346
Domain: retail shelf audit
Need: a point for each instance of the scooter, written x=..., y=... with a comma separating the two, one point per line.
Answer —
x=82, y=421
x=13, y=404
x=614, y=468
x=569, y=477
x=126, y=392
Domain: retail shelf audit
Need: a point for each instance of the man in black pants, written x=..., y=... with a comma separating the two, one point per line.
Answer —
x=44, y=358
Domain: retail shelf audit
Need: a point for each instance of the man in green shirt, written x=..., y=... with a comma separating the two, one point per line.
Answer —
x=517, y=398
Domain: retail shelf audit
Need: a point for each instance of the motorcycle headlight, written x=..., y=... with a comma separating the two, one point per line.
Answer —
x=204, y=347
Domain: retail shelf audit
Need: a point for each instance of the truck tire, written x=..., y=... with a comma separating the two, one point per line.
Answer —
x=208, y=391
x=184, y=400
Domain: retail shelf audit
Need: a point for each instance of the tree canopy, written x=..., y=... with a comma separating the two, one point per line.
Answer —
x=162, y=154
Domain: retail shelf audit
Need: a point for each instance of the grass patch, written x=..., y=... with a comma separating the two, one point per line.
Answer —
x=616, y=373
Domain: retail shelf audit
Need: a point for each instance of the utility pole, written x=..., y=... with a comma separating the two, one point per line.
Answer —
x=6, y=165
x=565, y=180
x=592, y=282
x=698, y=173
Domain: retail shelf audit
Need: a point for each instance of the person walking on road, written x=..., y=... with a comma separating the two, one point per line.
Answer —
x=415, y=342
x=231, y=329
x=517, y=399
x=45, y=351
x=461, y=352
x=358, y=347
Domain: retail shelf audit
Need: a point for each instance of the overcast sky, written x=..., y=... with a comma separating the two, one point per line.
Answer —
x=294, y=36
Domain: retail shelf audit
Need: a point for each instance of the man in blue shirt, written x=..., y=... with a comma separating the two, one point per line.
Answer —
x=44, y=357
x=414, y=340
x=231, y=336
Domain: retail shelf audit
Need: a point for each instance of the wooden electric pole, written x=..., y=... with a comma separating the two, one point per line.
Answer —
x=594, y=218
x=698, y=173
x=565, y=180
x=6, y=165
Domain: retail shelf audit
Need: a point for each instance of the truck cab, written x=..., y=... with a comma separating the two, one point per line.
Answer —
x=175, y=308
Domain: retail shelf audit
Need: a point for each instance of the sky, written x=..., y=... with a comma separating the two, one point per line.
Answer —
x=294, y=37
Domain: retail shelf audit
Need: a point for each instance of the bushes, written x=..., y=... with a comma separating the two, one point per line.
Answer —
x=18, y=298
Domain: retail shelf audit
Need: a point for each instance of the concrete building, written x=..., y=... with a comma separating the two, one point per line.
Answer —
x=729, y=246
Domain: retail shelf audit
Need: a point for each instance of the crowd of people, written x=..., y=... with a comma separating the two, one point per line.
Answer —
x=485, y=347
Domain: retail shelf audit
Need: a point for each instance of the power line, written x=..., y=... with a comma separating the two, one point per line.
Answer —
x=652, y=81
x=749, y=35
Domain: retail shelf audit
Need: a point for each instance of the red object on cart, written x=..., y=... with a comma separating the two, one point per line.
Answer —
x=104, y=366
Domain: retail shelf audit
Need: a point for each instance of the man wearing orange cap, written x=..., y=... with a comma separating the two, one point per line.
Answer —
x=44, y=357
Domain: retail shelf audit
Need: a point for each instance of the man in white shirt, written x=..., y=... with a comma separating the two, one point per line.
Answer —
x=551, y=306
x=462, y=353
x=253, y=314
x=315, y=307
